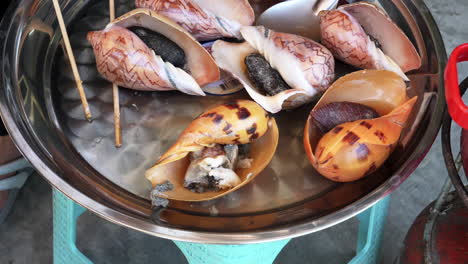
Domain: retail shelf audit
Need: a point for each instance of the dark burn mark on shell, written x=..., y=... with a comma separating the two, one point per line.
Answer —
x=337, y=129
x=227, y=128
x=162, y=46
x=236, y=140
x=371, y=169
x=362, y=152
x=209, y=114
x=380, y=135
x=335, y=167
x=351, y=138
x=366, y=124
x=218, y=118
x=320, y=152
x=254, y=136
x=265, y=77
x=232, y=105
x=333, y=114
x=252, y=129
x=327, y=159
x=243, y=113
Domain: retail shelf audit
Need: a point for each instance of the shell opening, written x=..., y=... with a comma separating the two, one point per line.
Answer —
x=162, y=46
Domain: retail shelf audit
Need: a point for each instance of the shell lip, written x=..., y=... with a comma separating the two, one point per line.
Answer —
x=405, y=54
x=201, y=65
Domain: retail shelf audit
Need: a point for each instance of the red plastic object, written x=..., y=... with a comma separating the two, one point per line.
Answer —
x=457, y=109
x=446, y=242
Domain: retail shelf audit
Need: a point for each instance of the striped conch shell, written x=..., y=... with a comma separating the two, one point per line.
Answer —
x=237, y=122
x=305, y=65
x=205, y=19
x=124, y=59
x=362, y=35
x=355, y=149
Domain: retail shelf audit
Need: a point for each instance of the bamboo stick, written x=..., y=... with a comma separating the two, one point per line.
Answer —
x=76, y=74
x=115, y=93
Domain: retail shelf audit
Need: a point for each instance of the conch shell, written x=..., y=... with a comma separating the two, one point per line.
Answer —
x=124, y=59
x=347, y=32
x=353, y=150
x=238, y=122
x=305, y=65
x=205, y=19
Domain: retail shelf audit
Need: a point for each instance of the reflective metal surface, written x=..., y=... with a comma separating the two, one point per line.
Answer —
x=41, y=109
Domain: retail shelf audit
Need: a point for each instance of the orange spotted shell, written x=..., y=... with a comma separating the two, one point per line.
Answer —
x=238, y=122
x=353, y=150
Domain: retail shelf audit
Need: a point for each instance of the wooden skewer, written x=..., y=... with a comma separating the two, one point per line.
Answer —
x=111, y=10
x=115, y=92
x=76, y=74
x=118, y=133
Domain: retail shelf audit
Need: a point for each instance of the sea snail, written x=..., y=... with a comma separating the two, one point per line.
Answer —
x=145, y=51
x=205, y=19
x=220, y=151
x=377, y=109
x=278, y=70
x=362, y=35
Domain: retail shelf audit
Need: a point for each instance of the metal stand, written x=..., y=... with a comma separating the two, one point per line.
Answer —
x=66, y=212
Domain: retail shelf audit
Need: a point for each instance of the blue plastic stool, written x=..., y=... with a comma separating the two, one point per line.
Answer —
x=66, y=212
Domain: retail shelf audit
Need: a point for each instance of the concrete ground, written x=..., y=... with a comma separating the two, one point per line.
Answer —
x=26, y=237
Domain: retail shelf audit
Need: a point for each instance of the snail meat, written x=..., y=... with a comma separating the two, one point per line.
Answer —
x=361, y=34
x=264, y=76
x=142, y=50
x=213, y=168
x=205, y=19
x=220, y=151
x=266, y=58
x=164, y=47
x=337, y=113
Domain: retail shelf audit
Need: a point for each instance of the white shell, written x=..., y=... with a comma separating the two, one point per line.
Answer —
x=306, y=66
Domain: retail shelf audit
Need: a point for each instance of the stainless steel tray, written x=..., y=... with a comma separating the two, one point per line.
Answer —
x=41, y=109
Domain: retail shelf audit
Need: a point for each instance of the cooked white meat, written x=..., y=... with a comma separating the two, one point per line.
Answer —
x=212, y=169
